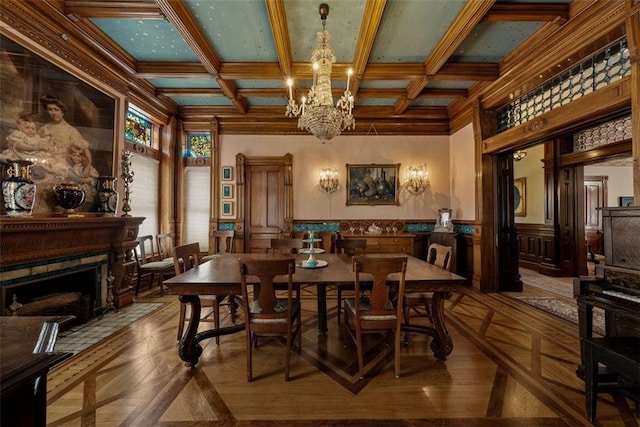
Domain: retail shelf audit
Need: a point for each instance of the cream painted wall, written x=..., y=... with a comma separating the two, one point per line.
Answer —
x=619, y=184
x=462, y=171
x=531, y=168
x=310, y=156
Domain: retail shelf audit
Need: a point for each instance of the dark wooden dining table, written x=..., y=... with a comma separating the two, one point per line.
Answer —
x=221, y=276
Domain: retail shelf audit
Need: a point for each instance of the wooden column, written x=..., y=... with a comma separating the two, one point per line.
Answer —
x=632, y=25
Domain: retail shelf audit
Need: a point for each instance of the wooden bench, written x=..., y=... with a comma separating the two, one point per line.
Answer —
x=620, y=355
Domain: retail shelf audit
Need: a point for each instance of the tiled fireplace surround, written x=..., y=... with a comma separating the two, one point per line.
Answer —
x=46, y=255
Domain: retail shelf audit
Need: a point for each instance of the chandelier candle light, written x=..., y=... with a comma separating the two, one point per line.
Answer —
x=329, y=180
x=316, y=112
x=417, y=179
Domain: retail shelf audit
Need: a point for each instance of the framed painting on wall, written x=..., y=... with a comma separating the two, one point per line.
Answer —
x=227, y=173
x=62, y=124
x=227, y=208
x=520, y=197
x=626, y=202
x=227, y=191
x=372, y=184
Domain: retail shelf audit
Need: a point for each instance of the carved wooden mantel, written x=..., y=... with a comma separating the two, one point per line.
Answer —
x=37, y=239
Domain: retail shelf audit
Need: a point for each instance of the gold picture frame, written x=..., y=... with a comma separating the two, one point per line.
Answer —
x=372, y=184
x=520, y=197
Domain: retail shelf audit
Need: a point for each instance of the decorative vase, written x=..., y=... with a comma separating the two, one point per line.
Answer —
x=107, y=195
x=69, y=195
x=18, y=191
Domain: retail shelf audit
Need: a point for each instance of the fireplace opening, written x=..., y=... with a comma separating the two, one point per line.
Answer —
x=71, y=293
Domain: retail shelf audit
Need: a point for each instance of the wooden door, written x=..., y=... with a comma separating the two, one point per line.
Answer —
x=595, y=197
x=267, y=201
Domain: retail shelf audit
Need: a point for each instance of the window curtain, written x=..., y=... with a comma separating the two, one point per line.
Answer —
x=197, y=195
x=144, y=193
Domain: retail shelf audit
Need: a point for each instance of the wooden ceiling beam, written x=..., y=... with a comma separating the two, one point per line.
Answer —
x=467, y=71
x=527, y=12
x=466, y=21
x=176, y=12
x=280, y=31
x=371, y=19
x=113, y=9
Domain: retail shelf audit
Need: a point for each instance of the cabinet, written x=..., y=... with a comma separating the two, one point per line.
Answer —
x=385, y=243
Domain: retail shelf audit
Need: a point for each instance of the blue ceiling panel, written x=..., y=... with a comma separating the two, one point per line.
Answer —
x=185, y=83
x=202, y=100
x=343, y=24
x=260, y=101
x=253, y=84
x=491, y=42
x=450, y=84
x=147, y=39
x=411, y=28
x=373, y=102
x=431, y=102
x=221, y=20
x=384, y=84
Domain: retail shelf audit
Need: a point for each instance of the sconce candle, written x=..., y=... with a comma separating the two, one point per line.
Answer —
x=329, y=180
x=417, y=179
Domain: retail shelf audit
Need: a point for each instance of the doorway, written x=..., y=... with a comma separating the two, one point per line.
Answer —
x=595, y=197
x=267, y=200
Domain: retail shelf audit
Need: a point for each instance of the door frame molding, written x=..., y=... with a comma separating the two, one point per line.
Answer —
x=241, y=162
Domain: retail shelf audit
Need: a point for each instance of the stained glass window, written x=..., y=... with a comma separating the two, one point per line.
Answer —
x=138, y=129
x=604, y=67
x=198, y=145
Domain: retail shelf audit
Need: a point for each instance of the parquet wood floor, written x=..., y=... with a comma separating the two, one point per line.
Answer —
x=512, y=365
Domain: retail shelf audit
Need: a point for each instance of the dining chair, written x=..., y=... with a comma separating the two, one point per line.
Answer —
x=375, y=311
x=223, y=242
x=440, y=256
x=268, y=314
x=150, y=266
x=185, y=257
x=286, y=245
x=165, y=244
x=349, y=247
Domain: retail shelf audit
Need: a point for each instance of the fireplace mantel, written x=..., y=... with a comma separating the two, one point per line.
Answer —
x=40, y=239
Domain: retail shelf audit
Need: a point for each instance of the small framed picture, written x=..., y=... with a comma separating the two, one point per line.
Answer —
x=626, y=202
x=227, y=173
x=227, y=191
x=227, y=208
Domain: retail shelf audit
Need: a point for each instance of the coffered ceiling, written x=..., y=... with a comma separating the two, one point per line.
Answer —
x=414, y=60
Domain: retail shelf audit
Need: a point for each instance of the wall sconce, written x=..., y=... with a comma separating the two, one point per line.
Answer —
x=416, y=179
x=329, y=180
x=519, y=155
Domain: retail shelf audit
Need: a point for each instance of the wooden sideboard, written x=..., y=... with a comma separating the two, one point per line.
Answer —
x=385, y=243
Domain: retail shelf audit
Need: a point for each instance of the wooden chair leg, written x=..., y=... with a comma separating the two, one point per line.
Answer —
x=287, y=363
x=396, y=336
x=249, y=361
x=216, y=319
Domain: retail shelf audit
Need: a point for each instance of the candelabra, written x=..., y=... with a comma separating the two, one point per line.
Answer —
x=127, y=179
x=329, y=180
x=417, y=179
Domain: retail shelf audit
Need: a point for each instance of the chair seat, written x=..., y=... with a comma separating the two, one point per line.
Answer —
x=365, y=306
x=281, y=307
x=157, y=265
x=418, y=295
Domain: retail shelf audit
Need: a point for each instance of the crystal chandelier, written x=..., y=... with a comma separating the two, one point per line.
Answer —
x=316, y=112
